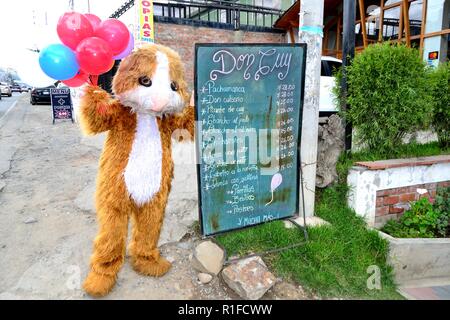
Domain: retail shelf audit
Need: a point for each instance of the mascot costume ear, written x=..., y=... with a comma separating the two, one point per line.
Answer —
x=151, y=105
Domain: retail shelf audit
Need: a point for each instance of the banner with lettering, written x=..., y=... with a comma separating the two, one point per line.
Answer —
x=145, y=30
x=248, y=100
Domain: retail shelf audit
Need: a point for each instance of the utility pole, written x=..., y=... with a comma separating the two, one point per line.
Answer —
x=348, y=53
x=311, y=33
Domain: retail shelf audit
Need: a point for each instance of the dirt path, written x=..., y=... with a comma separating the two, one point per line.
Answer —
x=47, y=175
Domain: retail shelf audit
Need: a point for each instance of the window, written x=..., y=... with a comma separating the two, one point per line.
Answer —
x=415, y=17
x=323, y=69
x=391, y=23
x=334, y=66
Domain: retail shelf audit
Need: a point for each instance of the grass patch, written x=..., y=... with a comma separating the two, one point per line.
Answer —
x=334, y=262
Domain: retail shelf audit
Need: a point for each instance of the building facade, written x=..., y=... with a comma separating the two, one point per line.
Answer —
x=424, y=24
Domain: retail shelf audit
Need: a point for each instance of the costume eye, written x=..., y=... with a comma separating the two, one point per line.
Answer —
x=174, y=86
x=145, y=81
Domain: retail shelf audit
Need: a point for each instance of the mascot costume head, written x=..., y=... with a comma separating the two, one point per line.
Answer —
x=150, y=106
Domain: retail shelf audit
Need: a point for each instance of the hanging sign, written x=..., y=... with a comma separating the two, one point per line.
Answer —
x=248, y=111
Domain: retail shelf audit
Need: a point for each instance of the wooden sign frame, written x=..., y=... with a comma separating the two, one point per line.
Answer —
x=299, y=124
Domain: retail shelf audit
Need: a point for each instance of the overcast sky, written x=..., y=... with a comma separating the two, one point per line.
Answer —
x=32, y=23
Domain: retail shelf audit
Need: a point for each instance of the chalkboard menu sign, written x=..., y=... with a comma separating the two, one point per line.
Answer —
x=61, y=103
x=248, y=100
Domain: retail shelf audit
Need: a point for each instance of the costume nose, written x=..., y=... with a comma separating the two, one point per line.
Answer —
x=159, y=103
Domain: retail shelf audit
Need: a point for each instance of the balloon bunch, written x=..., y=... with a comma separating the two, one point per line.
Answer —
x=89, y=48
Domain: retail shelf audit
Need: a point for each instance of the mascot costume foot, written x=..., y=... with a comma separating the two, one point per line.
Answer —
x=151, y=105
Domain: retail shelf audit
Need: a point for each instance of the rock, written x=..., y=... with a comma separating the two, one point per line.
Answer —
x=208, y=257
x=204, y=277
x=287, y=291
x=2, y=185
x=249, y=278
x=30, y=220
x=310, y=222
x=330, y=145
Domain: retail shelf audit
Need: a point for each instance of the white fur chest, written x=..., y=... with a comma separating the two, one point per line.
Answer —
x=143, y=171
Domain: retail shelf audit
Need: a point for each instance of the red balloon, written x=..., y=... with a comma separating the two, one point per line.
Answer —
x=94, y=56
x=116, y=33
x=80, y=78
x=72, y=28
x=94, y=20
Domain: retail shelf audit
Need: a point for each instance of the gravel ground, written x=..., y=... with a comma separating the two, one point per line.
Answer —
x=47, y=176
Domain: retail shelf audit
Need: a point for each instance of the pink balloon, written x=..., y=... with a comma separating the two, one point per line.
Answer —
x=80, y=78
x=276, y=181
x=116, y=33
x=73, y=27
x=128, y=49
x=94, y=20
x=94, y=56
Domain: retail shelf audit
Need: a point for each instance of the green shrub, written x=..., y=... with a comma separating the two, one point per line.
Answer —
x=424, y=219
x=442, y=206
x=387, y=95
x=440, y=90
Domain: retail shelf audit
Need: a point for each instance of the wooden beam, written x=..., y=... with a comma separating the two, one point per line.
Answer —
x=406, y=22
x=437, y=33
x=338, y=33
x=393, y=5
x=362, y=15
x=291, y=35
x=400, y=25
x=422, y=27
x=294, y=23
x=380, y=34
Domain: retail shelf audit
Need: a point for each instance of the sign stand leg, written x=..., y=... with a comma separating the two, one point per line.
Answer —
x=303, y=228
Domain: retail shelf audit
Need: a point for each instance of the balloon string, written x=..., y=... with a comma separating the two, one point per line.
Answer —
x=93, y=79
x=271, y=200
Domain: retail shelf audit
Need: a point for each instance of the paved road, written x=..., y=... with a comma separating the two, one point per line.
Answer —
x=47, y=219
x=8, y=103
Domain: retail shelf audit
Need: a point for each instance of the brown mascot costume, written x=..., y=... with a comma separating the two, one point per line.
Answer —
x=136, y=168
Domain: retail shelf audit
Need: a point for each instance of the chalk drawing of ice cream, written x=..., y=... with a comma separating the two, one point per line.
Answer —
x=277, y=178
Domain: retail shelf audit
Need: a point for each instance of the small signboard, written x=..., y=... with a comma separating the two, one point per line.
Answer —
x=248, y=100
x=433, y=55
x=61, y=104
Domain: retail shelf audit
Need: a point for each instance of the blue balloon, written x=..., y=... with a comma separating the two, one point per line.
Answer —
x=58, y=62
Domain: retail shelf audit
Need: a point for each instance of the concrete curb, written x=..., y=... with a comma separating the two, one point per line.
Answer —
x=419, y=261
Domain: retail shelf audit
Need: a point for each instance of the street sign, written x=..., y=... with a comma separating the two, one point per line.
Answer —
x=248, y=101
x=61, y=104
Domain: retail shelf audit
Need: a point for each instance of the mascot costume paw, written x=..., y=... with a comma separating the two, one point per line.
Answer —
x=136, y=168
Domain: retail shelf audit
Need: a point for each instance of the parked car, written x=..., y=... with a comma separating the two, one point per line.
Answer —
x=25, y=88
x=41, y=95
x=327, y=104
x=5, y=89
x=16, y=87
